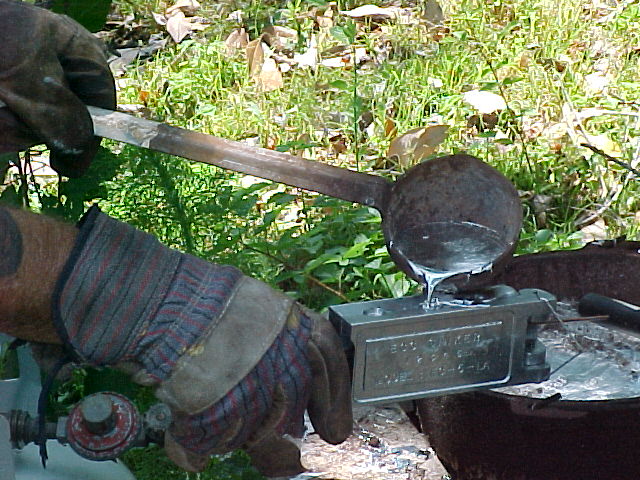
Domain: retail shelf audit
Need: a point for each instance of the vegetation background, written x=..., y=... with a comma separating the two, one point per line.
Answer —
x=544, y=90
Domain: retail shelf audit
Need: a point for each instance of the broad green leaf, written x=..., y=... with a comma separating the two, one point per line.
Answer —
x=345, y=34
x=512, y=80
x=460, y=35
x=357, y=250
x=543, y=236
x=341, y=84
x=339, y=34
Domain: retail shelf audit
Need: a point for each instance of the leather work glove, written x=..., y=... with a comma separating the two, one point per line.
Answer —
x=237, y=362
x=50, y=67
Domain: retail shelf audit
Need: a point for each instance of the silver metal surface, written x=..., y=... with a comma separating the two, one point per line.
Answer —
x=403, y=351
x=7, y=467
x=98, y=414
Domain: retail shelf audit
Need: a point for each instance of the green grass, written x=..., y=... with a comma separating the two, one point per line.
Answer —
x=152, y=464
x=510, y=48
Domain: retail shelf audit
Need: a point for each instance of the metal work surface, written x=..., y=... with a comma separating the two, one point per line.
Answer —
x=403, y=351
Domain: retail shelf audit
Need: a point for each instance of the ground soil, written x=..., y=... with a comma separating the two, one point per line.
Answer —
x=385, y=446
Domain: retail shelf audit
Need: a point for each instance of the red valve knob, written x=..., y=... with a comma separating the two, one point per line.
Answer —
x=103, y=426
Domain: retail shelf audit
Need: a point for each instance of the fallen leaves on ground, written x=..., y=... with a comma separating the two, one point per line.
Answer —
x=280, y=38
x=270, y=77
x=372, y=12
x=179, y=19
x=416, y=144
x=485, y=102
x=310, y=57
x=238, y=39
x=262, y=67
x=596, y=231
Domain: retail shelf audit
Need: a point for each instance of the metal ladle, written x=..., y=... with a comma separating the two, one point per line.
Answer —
x=452, y=188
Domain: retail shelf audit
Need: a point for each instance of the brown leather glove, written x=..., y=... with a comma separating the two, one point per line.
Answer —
x=50, y=67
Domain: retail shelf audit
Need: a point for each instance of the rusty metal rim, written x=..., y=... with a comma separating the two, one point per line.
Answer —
x=617, y=402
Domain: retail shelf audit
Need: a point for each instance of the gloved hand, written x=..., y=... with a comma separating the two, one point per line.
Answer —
x=50, y=67
x=237, y=362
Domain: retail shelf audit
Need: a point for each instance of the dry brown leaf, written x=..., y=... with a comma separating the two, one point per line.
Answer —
x=236, y=16
x=270, y=77
x=326, y=19
x=280, y=31
x=416, y=144
x=262, y=66
x=279, y=37
x=596, y=82
x=176, y=22
x=178, y=26
x=310, y=57
x=188, y=7
x=236, y=40
x=390, y=127
x=525, y=58
x=432, y=13
x=338, y=143
x=160, y=19
x=371, y=11
x=485, y=102
x=255, y=55
x=595, y=231
x=406, y=143
x=419, y=153
x=435, y=135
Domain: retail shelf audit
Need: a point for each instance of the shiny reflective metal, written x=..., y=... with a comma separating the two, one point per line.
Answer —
x=401, y=351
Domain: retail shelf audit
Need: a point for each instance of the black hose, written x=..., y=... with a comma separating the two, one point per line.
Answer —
x=620, y=313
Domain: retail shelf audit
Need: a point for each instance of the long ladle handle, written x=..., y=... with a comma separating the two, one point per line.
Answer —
x=280, y=167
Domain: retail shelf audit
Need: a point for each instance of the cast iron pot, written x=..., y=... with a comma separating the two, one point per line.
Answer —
x=489, y=435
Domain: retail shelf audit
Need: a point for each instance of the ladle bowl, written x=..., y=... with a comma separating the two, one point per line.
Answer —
x=455, y=188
